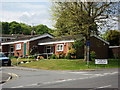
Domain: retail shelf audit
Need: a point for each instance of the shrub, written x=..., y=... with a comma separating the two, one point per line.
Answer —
x=68, y=56
x=92, y=54
x=61, y=55
x=72, y=51
x=41, y=57
x=32, y=57
x=53, y=56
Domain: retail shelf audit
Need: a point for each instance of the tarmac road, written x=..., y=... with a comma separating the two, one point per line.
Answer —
x=36, y=78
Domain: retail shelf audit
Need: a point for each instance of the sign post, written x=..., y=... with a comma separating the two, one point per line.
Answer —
x=88, y=53
x=101, y=61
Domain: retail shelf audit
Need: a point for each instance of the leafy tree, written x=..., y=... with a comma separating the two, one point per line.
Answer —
x=113, y=36
x=5, y=28
x=26, y=29
x=22, y=28
x=15, y=28
x=41, y=29
x=80, y=18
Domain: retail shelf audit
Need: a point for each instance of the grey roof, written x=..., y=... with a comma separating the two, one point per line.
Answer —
x=20, y=37
x=60, y=38
x=75, y=37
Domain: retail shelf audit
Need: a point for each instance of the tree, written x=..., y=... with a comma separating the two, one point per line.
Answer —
x=26, y=29
x=22, y=28
x=41, y=29
x=80, y=18
x=113, y=37
x=15, y=28
x=5, y=28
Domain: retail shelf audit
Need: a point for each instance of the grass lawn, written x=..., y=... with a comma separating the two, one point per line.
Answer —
x=67, y=64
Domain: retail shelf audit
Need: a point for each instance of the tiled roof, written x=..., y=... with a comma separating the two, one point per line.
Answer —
x=25, y=38
x=20, y=37
x=60, y=38
x=70, y=38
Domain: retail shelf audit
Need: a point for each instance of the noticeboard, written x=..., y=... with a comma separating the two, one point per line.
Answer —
x=101, y=61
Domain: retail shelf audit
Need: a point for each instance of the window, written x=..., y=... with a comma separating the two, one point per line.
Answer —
x=18, y=46
x=60, y=47
x=11, y=48
x=48, y=49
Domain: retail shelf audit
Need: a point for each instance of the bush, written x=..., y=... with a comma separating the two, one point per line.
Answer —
x=62, y=55
x=92, y=55
x=68, y=56
x=72, y=51
x=41, y=57
x=53, y=56
x=32, y=57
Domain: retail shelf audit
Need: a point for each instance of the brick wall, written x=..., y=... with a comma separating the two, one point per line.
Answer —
x=65, y=49
x=100, y=48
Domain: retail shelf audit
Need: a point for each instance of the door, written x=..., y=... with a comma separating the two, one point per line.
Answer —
x=24, y=49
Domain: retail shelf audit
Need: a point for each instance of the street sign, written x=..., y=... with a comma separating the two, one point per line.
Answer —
x=101, y=61
x=88, y=43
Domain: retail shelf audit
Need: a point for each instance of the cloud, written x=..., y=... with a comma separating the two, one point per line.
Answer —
x=25, y=0
x=37, y=13
x=9, y=16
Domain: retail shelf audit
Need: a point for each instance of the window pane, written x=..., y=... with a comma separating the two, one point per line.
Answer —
x=60, y=47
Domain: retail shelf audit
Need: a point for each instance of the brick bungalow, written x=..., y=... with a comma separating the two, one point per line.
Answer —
x=57, y=46
x=47, y=44
x=21, y=46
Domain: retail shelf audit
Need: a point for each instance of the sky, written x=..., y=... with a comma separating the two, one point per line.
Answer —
x=31, y=12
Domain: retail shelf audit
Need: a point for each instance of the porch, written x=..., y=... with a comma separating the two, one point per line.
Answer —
x=46, y=50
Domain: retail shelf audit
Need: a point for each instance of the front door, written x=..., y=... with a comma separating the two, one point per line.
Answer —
x=24, y=49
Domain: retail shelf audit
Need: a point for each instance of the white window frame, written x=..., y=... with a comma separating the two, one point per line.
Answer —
x=48, y=47
x=60, y=49
x=18, y=46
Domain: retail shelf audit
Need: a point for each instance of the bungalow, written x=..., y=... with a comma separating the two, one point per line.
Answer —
x=22, y=45
x=47, y=44
x=61, y=45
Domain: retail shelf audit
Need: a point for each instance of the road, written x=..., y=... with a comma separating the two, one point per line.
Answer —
x=35, y=78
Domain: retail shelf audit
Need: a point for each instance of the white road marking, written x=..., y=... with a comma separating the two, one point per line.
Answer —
x=65, y=80
x=77, y=72
x=88, y=74
x=105, y=86
x=17, y=87
x=13, y=74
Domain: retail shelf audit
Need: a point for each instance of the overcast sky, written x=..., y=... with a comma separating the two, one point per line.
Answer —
x=32, y=12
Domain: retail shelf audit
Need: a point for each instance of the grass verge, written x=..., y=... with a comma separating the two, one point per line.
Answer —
x=67, y=64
